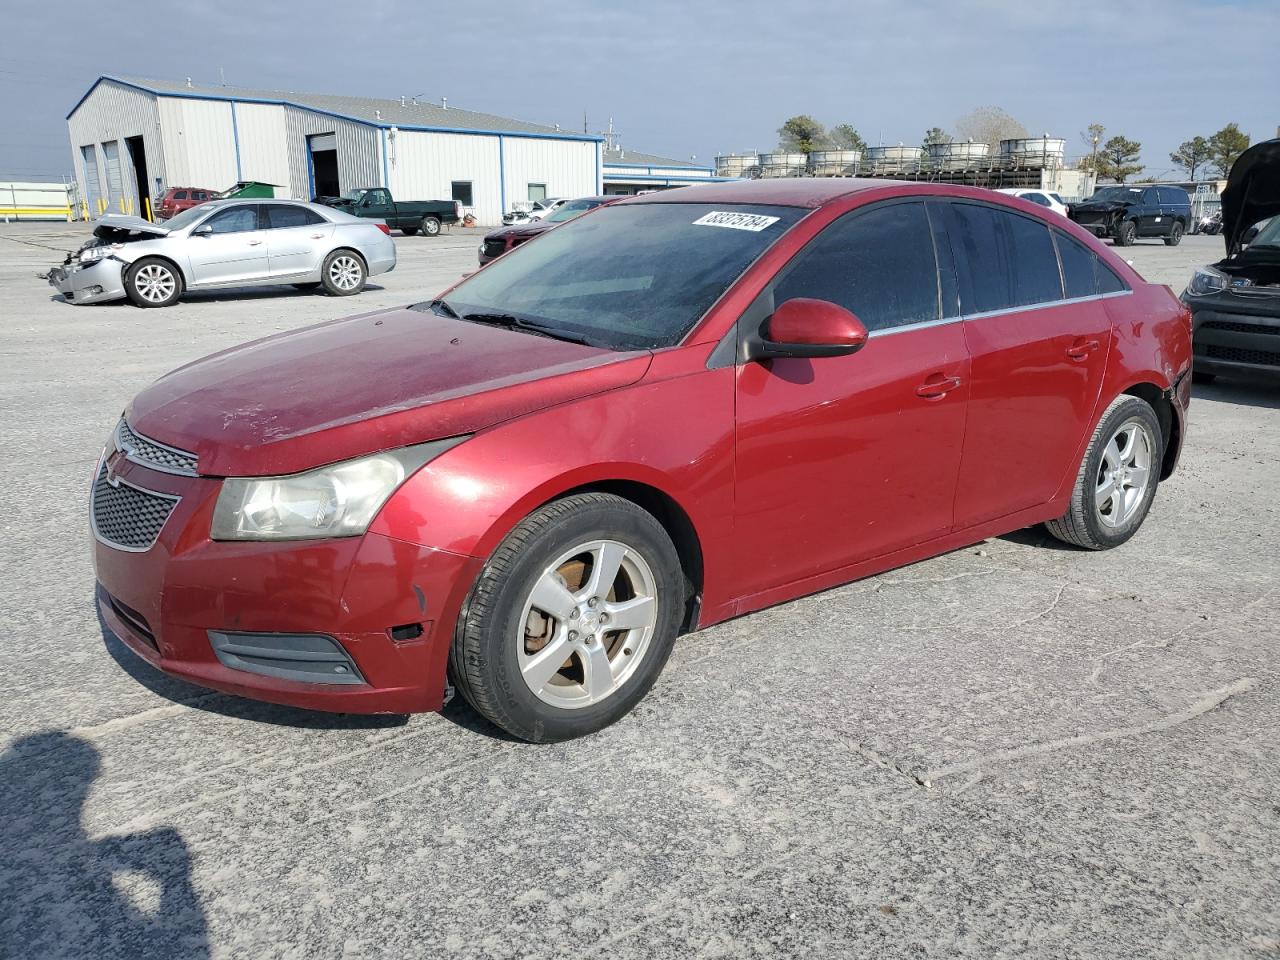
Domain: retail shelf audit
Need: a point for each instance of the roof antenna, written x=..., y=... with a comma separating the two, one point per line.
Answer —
x=402, y=101
x=377, y=114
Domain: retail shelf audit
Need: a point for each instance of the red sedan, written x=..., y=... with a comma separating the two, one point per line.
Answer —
x=682, y=408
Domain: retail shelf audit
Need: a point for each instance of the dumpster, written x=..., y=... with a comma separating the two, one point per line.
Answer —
x=249, y=190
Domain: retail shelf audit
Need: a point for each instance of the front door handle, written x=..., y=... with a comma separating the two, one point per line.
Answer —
x=1082, y=348
x=937, y=387
x=254, y=243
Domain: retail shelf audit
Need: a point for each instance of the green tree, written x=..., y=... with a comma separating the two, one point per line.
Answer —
x=1225, y=147
x=1192, y=155
x=1117, y=159
x=846, y=137
x=1092, y=139
x=935, y=135
x=802, y=134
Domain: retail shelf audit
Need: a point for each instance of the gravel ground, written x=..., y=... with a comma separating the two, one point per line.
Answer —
x=1012, y=750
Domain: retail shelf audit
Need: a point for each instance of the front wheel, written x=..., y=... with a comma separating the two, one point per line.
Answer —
x=431, y=226
x=1117, y=480
x=1175, y=235
x=343, y=273
x=1126, y=233
x=572, y=619
x=409, y=231
x=152, y=282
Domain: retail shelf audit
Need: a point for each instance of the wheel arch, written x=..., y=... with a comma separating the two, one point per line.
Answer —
x=348, y=249
x=1159, y=399
x=182, y=275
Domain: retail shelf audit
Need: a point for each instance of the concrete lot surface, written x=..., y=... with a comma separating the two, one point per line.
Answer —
x=1013, y=750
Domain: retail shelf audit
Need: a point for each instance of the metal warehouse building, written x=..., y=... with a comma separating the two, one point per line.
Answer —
x=627, y=172
x=134, y=138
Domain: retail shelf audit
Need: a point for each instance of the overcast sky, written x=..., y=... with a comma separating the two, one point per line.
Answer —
x=679, y=78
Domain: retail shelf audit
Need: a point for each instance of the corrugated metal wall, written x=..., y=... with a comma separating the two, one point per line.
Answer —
x=264, y=151
x=113, y=112
x=680, y=173
x=199, y=142
x=569, y=168
x=423, y=166
x=359, y=160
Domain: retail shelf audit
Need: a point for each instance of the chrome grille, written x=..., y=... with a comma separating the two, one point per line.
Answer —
x=150, y=453
x=495, y=248
x=125, y=516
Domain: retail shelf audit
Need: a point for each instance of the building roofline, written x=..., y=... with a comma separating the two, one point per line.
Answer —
x=656, y=166
x=381, y=125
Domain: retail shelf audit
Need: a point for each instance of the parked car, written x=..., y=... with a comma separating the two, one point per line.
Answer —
x=225, y=243
x=1041, y=198
x=407, y=216
x=1126, y=213
x=678, y=409
x=498, y=242
x=1235, y=303
x=546, y=207
x=177, y=199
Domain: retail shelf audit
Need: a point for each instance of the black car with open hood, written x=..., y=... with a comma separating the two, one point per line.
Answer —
x=1235, y=302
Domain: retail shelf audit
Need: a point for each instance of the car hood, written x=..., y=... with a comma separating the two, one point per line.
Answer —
x=1099, y=205
x=1252, y=193
x=529, y=228
x=113, y=225
x=355, y=386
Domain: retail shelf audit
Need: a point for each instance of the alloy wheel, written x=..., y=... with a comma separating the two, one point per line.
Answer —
x=587, y=624
x=155, y=283
x=344, y=272
x=1124, y=473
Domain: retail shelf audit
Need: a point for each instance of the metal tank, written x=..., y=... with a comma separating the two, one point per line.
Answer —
x=894, y=158
x=1033, y=152
x=782, y=164
x=958, y=155
x=735, y=164
x=834, y=163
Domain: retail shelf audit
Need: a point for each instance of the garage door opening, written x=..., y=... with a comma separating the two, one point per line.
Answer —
x=138, y=157
x=322, y=149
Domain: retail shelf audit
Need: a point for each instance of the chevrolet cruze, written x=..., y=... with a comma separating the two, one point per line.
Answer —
x=671, y=411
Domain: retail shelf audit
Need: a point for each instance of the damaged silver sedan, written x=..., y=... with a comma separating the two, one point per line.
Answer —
x=228, y=243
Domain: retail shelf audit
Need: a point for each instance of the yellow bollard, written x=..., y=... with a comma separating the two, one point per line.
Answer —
x=147, y=201
x=68, y=213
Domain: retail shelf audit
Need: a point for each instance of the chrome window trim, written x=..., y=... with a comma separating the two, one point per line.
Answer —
x=151, y=464
x=996, y=313
x=93, y=520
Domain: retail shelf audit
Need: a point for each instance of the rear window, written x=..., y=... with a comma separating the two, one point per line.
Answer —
x=1108, y=281
x=280, y=216
x=1173, y=195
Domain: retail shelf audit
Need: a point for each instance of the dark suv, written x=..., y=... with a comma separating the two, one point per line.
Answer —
x=1126, y=213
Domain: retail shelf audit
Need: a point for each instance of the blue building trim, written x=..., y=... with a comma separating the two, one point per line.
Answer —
x=502, y=176
x=644, y=176
x=650, y=169
x=235, y=136
x=379, y=124
x=599, y=175
x=386, y=175
x=311, y=167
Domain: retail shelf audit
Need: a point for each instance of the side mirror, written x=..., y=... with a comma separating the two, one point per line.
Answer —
x=204, y=230
x=810, y=328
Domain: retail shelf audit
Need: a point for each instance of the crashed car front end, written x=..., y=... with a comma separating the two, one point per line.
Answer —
x=1100, y=219
x=90, y=275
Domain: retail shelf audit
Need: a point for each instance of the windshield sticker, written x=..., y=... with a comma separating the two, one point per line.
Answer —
x=735, y=221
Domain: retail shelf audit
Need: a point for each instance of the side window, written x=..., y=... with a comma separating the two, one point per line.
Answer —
x=1173, y=197
x=1150, y=197
x=462, y=192
x=280, y=216
x=179, y=194
x=878, y=263
x=1035, y=266
x=234, y=220
x=199, y=195
x=377, y=198
x=1077, y=267
x=1039, y=198
x=979, y=235
x=1107, y=280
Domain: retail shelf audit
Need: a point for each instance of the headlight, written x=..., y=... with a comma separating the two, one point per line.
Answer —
x=90, y=254
x=339, y=500
x=1207, y=280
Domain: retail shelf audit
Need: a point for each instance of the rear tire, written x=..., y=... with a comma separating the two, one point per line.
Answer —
x=1126, y=233
x=152, y=282
x=431, y=226
x=564, y=582
x=1175, y=235
x=1117, y=479
x=305, y=286
x=343, y=273
x=409, y=231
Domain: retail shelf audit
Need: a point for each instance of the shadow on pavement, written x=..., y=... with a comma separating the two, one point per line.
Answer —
x=67, y=895
x=1246, y=391
x=198, y=698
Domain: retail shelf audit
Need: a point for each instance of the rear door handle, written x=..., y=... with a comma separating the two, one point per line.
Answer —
x=937, y=387
x=1082, y=348
x=254, y=243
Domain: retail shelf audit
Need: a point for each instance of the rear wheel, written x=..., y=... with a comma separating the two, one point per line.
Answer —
x=1117, y=480
x=1126, y=233
x=572, y=619
x=343, y=273
x=409, y=231
x=1175, y=235
x=152, y=282
x=431, y=226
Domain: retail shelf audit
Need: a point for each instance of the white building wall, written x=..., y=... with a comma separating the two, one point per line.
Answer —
x=199, y=142
x=264, y=152
x=114, y=112
x=359, y=155
x=681, y=173
x=423, y=166
x=569, y=168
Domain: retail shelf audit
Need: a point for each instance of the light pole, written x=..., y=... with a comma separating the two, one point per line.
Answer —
x=1093, y=161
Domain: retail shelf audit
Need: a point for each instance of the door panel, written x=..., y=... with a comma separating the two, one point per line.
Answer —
x=235, y=253
x=842, y=459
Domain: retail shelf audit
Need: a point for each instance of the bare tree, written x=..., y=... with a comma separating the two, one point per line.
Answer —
x=989, y=125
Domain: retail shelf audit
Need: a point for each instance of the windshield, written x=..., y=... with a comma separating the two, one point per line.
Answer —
x=354, y=195
x=575, y=208
x=1116, y=194
x=1268, y=234
x=630, y=276
x=186, y=218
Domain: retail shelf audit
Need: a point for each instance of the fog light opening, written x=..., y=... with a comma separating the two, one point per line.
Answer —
x=406, y=631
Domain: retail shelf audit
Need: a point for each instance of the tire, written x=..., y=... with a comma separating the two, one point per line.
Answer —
x=409, y=231
x=1126, y=233
x=503, y=627
x=305, y=286
x=343, y=273
x=1094, y=520
x=1205, y=378
x=431, y=226
x=1175, y=235
x=152, y=282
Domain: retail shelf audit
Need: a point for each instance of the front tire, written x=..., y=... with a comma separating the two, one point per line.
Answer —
x=431, y=226
x=1175, y=235
x=152, y=282
x=409, y=231
x=343, y=273
x=571, y=620
x=1126, y=233
x=1117, y=479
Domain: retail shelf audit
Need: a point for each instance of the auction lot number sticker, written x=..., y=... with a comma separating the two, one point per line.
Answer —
x=754, y=222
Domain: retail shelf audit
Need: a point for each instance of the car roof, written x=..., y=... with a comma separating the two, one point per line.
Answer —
x=782, y=191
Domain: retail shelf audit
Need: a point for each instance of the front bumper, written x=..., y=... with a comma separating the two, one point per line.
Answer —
x=1236, y=332
x=172, y=602
x=93, y=282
